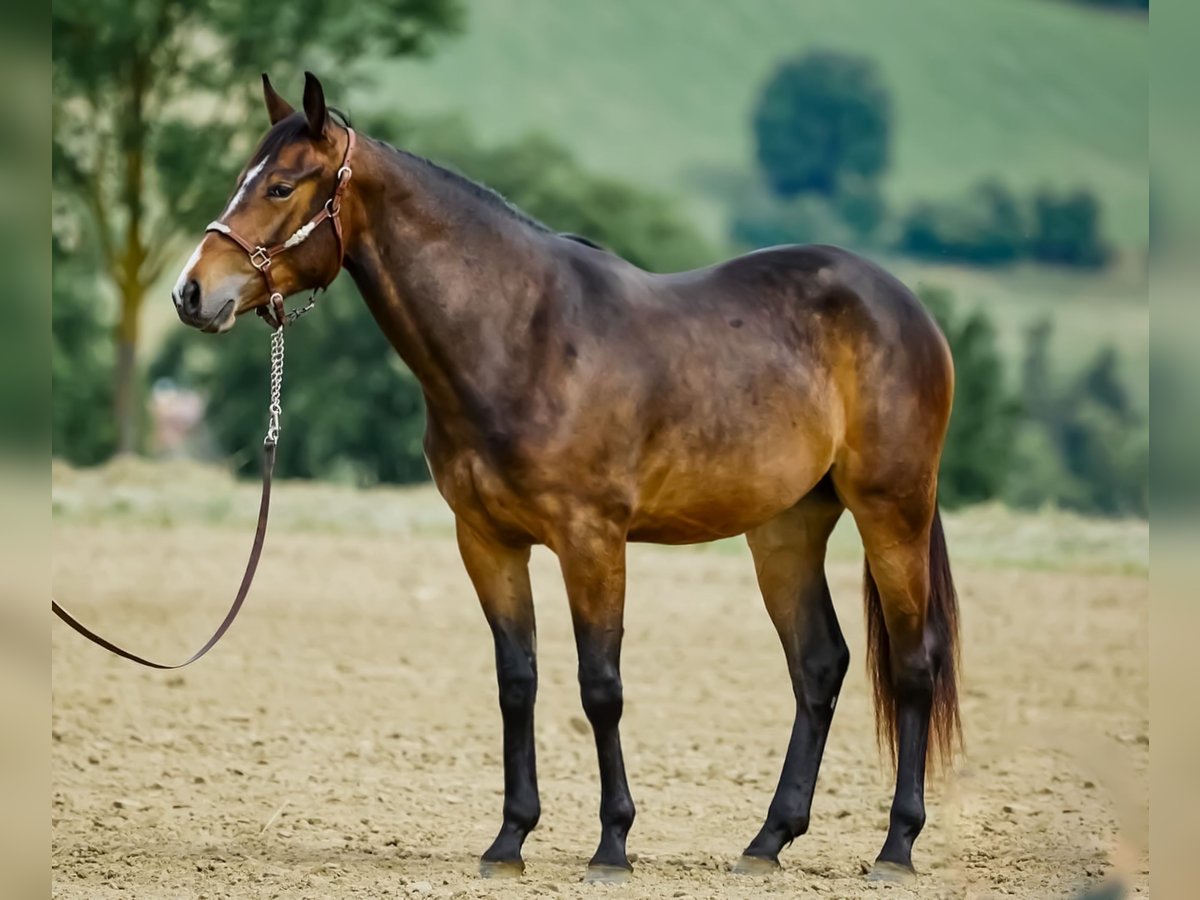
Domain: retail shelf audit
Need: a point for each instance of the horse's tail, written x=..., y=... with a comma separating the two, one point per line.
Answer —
x=941, y=624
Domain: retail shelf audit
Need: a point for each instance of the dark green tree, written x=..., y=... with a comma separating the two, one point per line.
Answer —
x=1066, y=230
x=1082, y=443
x=154, y=107
x=988, y=226
x=822, y=119
x=1103, y=439
x=82, y=428
x=991, y=225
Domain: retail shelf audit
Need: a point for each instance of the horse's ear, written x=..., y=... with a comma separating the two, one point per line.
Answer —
x=314, y=105
x=277, y=107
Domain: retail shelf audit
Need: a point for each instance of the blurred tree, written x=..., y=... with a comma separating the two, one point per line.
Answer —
x=763, y=220
x=979, y=444
x=850, y=219
x=82, y=427
x=821, y=119
x=1103, y=439
x=153, y=110
x=1037, y=386
x=987, y=227
x=353, y=411
x=990, y=225
x=1067, y=230
x=1082, y=444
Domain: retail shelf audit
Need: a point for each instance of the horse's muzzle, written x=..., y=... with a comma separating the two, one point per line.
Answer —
x=191, y=309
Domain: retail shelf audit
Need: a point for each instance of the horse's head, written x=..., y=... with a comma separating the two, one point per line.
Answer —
x=280, y=232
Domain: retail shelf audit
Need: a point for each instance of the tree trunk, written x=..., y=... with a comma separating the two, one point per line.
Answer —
x=126, y=394
x=131, y=284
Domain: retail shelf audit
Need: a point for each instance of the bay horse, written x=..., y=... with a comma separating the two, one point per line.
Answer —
x=579, y=402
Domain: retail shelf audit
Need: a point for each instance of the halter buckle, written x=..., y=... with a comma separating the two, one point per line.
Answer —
x=260, y=259
x=349, y=173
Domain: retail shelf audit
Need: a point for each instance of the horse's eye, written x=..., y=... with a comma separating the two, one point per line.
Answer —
x=280, y=191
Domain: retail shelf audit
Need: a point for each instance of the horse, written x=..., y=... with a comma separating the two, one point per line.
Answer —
x=579, y=402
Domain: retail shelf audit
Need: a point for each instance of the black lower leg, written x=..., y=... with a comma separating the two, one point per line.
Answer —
x=600, y=689
x=818, y=660
x=914, y=701
x=516, y=673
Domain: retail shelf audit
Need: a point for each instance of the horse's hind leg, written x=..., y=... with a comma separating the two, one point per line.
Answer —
x=789, y=556
x=501, y=577
x=912, y=633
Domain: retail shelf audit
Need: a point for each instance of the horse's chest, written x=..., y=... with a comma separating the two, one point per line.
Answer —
x=481, y=494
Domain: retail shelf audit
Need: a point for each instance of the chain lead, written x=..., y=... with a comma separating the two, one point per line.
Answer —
x=274, y=410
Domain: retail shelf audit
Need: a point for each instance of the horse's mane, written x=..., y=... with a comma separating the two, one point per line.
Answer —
x=580, y=239
x=489, y=196
x=295, y=126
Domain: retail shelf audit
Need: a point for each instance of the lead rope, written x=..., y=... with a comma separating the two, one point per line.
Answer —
x=274, y=411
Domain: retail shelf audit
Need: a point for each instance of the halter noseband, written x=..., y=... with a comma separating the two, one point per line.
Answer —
x=260, y=257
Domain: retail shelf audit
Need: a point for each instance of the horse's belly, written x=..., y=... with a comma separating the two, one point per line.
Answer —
x=693, y=504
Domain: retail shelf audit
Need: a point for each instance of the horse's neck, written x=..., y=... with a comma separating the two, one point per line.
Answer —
x=452, y=281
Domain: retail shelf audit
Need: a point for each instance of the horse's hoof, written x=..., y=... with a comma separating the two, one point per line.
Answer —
x=893, y=873
x=755, y=865
x=601, y=874
x=501, y=868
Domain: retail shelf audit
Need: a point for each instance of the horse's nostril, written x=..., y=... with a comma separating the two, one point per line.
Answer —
x=191, y=297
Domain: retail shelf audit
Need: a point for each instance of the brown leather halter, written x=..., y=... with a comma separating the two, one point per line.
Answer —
x=260, y=258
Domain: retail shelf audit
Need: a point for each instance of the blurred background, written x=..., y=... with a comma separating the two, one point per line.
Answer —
x=993, y=154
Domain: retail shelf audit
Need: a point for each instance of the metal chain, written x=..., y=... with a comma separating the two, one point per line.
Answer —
x=275, y=409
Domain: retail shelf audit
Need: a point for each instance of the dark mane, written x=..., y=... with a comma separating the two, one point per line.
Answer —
x=296, y=126
x=492, y=198
x=580, y=239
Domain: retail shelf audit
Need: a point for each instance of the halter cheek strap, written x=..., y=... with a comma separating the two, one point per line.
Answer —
x=260, y=256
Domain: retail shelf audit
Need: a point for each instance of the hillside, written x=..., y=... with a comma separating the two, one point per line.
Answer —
x=660, y=93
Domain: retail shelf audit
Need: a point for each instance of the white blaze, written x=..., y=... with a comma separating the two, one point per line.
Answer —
x=187, y=268
x=241, y=191
x=233, y=204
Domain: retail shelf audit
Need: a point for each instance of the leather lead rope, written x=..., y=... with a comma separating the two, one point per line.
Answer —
x=277, y=318
x=270, y=442
x=260, y=535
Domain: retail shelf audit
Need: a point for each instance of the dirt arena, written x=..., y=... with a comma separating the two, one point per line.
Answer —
x=344, y=740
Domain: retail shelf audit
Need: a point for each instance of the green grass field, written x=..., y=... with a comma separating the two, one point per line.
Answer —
x=660, y=92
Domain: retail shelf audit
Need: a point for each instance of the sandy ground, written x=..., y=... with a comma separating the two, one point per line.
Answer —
x=344, y=740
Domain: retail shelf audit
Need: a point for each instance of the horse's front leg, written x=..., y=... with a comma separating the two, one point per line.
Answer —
x=593, y=565
x=500, y=574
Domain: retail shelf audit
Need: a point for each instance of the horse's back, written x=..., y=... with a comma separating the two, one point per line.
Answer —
x=836, y=303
